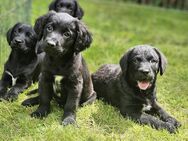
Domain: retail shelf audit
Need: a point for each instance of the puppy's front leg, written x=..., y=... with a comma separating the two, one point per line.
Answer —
x=144, y=118
x=45, y=94
x=164, y=115
x=5, y=82
x=21, y=84
x=74, y=87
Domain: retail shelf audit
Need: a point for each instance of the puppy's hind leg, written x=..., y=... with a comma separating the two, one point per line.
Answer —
x=90, y=100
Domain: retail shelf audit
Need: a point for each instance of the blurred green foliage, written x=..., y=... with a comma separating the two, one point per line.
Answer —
x=11, y=12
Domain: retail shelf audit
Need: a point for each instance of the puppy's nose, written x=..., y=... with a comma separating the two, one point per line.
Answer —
x=144, y=71
x=51, y=43
x=18, y=41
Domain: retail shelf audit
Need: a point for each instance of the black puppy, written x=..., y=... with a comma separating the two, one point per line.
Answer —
x=23, y=65
x=63, y=37
x=132, y=86
x=67, y=6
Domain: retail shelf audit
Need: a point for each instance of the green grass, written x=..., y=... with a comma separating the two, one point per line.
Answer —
x=115, y=27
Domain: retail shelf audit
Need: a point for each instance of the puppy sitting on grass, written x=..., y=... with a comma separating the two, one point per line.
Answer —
x=70, y=7
x=131, y=86
x=23, y=65
x=63, y=37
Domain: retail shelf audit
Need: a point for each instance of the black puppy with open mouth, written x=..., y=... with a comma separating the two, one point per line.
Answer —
x=23, y=65
x=131, y=86
x=63, y=37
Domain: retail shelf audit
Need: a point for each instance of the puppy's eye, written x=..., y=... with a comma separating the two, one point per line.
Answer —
x=28, y=34
x=137, y=60
x=19, y=30
x=15, y=32
x=153, y=61
x=49, y=28
x=67, y=34
x=60, y=5
x=68, y=6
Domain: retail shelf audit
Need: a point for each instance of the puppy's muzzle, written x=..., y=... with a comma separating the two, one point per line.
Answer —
x=51, y=43
x=65, y=10
x=52, y=47
x=18, y=41
x=144, y=77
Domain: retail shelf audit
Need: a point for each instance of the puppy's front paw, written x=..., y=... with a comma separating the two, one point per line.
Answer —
x=170, y=127
x=174, y=122
x=10, y=96
x=41, y=112
x=68, y=120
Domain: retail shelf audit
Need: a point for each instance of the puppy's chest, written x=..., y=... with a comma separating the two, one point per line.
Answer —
x=18, y=69
x=147, y=105
x=59, y=69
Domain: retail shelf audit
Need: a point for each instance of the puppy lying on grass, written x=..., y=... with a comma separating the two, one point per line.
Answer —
x=63, y=37
x=131, y=86
x=23, y=65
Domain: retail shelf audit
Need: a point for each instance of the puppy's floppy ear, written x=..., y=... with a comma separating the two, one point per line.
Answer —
x=79, y=13
x=52, y=5
x=162, y=61
x=41, y=22
x=83, y=39
x=10, y=32
x=125, y=60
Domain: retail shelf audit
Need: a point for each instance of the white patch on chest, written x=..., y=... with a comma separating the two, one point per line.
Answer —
x=12, y=78
x=57, y=84
x=147, y=106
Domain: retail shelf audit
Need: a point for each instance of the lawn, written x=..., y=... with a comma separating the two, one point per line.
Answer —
x=115, y=28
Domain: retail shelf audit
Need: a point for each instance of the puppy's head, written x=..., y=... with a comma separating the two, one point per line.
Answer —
x=61, y=33
x=22, y=37
x=67, y=6
x=141, y=64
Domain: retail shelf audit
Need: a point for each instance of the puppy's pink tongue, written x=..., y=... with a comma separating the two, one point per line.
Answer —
x=143, y=85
